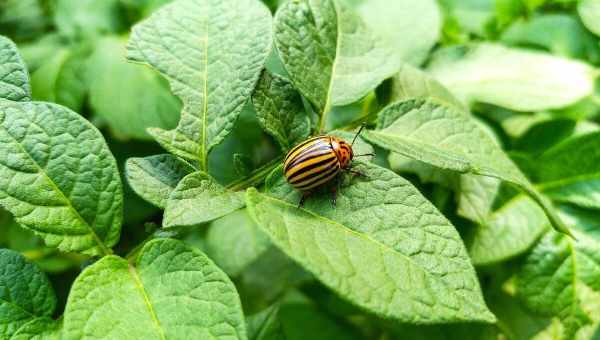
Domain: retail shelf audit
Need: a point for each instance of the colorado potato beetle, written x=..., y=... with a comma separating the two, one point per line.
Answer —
x=317, y=161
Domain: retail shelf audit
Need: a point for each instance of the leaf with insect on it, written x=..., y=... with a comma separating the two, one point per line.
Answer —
x=381, y=225
x=116, y=299
x=447, y=138
x=26, y=294
x=203, y=66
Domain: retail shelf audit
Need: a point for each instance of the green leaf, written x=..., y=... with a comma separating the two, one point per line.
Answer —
x=519, y=80
x=449, y=139
x=303, y=320
x=87, y=18
x=198, y=199
x=242, y=164
x=62, y=78
x=131, y=98
x=172, y=292
x=508, y=231
x=589, y=11
x=23, y=19
x=26, y=293
x=265, y=325
x=555, y=276
x=213, y=66
x=412, y=83
x=154, y=177
x=234, y=241
x=58, y=177
x=39, y=329
x=280, y=110
x=326, y=49
x=570, y=171
x=471, y=15
x=381, y=233
x=14, y=79
x=411, y=28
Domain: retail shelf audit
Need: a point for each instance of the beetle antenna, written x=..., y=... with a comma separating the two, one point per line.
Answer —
x=358, y=133
x=365, y=154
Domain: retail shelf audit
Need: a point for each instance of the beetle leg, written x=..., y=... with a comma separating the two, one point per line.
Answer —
x=334, y=190
x=305, y=194
x=357, y=173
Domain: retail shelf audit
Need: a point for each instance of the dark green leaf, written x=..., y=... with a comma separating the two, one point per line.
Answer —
x=14, y=79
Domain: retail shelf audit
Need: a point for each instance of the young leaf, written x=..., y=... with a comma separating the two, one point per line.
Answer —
x=234, y=241
x=447, y=138
x=42, y=328
x=198, y=199
x=173, y=292
x=14, y=79
x=155, y=177
x=381, y=233
x=212, y=65
x=280, y=110
x=131, y=98
x=519, y=80
x=570, y=171
x=326, y=49
x=589, y=11
x=410, y=27
x=554, y=276
x=508, y=231
x=26, y=293
x=58, y=177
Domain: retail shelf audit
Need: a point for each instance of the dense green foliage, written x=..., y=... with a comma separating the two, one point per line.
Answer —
x=142, y=193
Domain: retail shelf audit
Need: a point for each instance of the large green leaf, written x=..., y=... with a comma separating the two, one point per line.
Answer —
x=26, y=293
x=449, y=139
x=384, y=247
x=508, y=231
x=154, y=177
x=58, y=177
x=570, y=171
x=517, y=79
x=198, y=199
x=410, y=27
x=589, y=11
x=280, y=110
x=131, y=98
x=42, y=328
x=172, y=291
x=330, y=54
x=212, y=52
x=556, y=276
x=14, y=79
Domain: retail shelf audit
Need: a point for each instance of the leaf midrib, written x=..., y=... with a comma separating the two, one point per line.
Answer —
x=204, y=160
x=384, y=246
x=41, y=171
x=139, y=285
x=326, y=109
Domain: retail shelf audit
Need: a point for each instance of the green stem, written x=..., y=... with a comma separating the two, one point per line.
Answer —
x=257, y=176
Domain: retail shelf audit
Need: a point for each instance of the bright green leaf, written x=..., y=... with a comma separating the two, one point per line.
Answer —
x=58, y=177
x=154, y=177
x=280, y=110
x=213, y=66
x=131, y=98
x=449, y=139
x=198, y=199
x=330, y=54
x=42, y=328
x=410, y=27
x=172, y=291
x=381, y=225
x=517, y=79
x=14, y=79
x=589, y=11
x=26, y=293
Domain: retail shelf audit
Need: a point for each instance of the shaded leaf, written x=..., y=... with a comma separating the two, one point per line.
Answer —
x=589, y=11
x=14, y=79
x=265, y=325
x=58, y=177
x=42, y=328
x=87, y=18
x=154, y=177
x=113, y=299
x=204, y=66
x=198, y=199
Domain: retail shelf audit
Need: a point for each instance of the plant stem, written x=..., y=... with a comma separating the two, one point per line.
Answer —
x=257, y=176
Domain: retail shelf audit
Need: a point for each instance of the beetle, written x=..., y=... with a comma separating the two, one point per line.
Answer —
x=317, y=161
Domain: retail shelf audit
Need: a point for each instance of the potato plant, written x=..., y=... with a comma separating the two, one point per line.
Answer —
x=143, y=195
